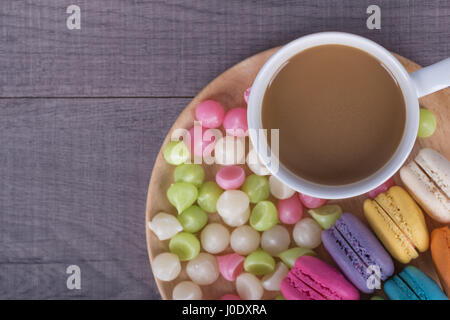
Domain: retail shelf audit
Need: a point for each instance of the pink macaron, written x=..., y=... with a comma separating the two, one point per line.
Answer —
x=313, y=279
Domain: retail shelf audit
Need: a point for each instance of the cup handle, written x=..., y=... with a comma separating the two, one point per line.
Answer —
x=432, y=78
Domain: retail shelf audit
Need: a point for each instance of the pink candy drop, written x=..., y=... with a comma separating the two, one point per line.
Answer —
x=230, y=177
x=230, y=297
x=230, y=265
x=247, y=94
x=235, y=122
x=290, y=210
x=210, y=113
x=381, y=188
x=198, y=141
x=311, y=202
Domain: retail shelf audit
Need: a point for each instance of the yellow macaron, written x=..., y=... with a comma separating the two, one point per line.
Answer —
x=399, y=223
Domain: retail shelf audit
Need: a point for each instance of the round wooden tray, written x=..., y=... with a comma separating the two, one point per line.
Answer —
x=228, y=89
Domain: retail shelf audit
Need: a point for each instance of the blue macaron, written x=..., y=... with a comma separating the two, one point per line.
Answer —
x=358, y=253
x=413, y=284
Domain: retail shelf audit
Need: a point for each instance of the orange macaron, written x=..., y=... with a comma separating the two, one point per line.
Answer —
x=440, y=252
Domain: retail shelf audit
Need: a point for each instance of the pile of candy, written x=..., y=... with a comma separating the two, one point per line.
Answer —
x=262, y=252
x=249, y=242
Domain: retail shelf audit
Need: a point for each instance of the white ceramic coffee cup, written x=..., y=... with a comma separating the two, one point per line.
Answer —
x=413, y=86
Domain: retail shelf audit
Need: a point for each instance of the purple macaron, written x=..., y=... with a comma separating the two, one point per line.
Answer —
x=358, y=253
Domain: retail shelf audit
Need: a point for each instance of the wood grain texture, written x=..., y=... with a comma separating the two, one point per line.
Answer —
x=228, y=89
x=175, y=47
x=73, y=183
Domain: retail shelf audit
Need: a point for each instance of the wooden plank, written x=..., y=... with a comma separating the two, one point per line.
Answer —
x=174, y=48
x=73, y=184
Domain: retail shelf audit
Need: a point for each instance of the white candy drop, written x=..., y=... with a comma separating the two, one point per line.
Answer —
x=229, y=150
x=165, y=225
x=238, y=220
x=166, y=266
x=203, y=269
x=275, y=240
x=244, y=240
x=234, y=207
x=307, y=233
x=187, y=290
x=279, y=190
x=215, y=238
x=249, y=287
x=272, y=281
x=255, y=164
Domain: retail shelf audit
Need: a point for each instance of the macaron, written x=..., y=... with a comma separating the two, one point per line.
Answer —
x=427, y=178
x=398, y=222
x=312, y=279
x=358, y=253
x=413, y=284
x=440, y=253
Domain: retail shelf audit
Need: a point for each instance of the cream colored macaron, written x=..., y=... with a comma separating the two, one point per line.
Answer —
x=427, y=178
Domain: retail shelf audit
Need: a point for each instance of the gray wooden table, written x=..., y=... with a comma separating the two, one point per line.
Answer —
x=83, y=114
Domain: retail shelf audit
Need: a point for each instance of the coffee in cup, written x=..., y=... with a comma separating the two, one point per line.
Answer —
x=339, y=111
